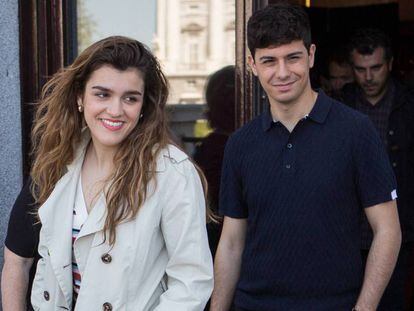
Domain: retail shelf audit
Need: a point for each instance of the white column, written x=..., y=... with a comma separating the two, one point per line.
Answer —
x=216, y=40
x=173, y=34
x=161, y=29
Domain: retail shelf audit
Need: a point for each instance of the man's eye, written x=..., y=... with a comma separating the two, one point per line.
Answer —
x=293, y=58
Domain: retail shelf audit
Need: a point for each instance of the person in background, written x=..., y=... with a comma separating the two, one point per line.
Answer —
x=294, y=181
x=390, y=106
x=20, y=253
x=122, y=209
x=220, y=97
x=339, y=71
x=335, y=71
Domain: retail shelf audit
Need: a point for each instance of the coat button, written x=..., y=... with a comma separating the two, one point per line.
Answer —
x=106, y=258
x=107, y=306
x=46, y=295
x=394, y=164
x=391, y=132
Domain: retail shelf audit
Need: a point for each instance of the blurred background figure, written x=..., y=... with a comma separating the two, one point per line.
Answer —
x=220, y=97
x=339, y=71
x=390, y=106
x=334, y=70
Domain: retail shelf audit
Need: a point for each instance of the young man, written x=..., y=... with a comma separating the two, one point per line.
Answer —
x=294, y=180
x=390, y=105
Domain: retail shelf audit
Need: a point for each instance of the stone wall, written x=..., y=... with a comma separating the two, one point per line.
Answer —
x=10, y=124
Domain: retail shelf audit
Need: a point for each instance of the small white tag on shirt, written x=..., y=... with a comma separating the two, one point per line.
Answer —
x=394, y=194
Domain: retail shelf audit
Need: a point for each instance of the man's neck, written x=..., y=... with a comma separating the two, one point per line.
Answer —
x=289, y=114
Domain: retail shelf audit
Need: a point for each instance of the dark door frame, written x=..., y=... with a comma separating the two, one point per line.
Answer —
x=250, y=98
x=47, y=43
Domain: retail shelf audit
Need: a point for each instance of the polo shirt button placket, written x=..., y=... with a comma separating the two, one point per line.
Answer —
x=289, y=147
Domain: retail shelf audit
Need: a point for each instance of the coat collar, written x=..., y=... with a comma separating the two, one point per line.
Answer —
x=172, y=154
x=56, y=206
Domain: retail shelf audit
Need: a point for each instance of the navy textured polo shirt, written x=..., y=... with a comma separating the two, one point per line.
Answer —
x=302, y=193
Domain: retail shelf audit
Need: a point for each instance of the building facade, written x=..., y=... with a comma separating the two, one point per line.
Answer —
x=193, y=39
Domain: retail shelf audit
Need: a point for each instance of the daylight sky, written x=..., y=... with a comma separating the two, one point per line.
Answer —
x=133, y=18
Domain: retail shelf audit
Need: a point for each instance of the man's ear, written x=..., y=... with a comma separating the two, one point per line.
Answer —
x=252, y=64
x=312, y=51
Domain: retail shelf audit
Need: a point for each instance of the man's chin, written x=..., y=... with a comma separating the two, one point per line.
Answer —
x=371, y=92
x=285, y=100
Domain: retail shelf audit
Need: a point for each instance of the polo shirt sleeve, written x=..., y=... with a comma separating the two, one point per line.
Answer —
x=23, y=229
x=374, y=176
x=231, y=192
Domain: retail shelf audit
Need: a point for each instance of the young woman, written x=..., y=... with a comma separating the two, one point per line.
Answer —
x=122, y=209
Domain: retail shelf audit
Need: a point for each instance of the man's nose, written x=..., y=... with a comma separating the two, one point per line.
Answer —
x=368, y=75
x=282, y=71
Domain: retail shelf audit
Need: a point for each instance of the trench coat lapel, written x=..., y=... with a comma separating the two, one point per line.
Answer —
x=96, y=219
x=56, y=216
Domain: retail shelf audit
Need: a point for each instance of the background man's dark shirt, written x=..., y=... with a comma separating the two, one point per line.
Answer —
x=400, y=148
x=379, y=114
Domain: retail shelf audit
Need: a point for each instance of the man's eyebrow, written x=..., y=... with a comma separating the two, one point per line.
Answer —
x=298, y=53
x=376, y=66
x=263, y=58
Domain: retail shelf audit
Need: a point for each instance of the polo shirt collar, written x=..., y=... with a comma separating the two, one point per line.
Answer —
x=318, y=113
x=322, y=106
x=267, y=119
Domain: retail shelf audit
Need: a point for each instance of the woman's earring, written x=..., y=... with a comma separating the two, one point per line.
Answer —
x=141, y=115
x=80, y=108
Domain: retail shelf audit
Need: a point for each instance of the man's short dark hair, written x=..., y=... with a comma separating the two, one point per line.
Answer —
x=366, y=40
x=278, y=24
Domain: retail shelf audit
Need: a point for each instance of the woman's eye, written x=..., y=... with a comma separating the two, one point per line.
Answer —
x=131, y=99
x=101, y=95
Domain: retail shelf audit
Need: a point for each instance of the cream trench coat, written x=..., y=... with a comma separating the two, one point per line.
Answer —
x=160, y=261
